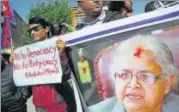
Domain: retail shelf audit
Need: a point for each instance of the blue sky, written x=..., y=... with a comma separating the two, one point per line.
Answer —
x=23, y=7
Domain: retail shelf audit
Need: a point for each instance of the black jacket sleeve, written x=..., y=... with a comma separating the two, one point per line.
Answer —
x=113, y=15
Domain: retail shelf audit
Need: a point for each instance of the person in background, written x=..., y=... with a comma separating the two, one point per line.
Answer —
x=51, y=97
x=155, y=5
x=123, y=7
x=13, y=99
x=143, y=79
x=84, y=68
x=58, y=29
x=95, y=15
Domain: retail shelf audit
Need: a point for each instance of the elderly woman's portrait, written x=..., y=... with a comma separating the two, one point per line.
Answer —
x=131, y=72
x=143, y=75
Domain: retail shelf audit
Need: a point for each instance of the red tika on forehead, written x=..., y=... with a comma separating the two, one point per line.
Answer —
x=138, y=52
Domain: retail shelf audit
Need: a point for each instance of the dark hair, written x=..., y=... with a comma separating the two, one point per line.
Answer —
x=150, y=6
x=56, y=29
x=37, y=20
x=4, y=60
x=41, y=21
x=5, y=56
x=117, y=5
x=155, y=5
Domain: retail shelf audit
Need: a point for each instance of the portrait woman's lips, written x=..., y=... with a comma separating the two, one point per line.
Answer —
x=133, y=96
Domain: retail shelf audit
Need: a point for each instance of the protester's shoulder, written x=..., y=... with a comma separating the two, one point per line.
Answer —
x=171, y=102
x=104, y=106
x=119, y=16
x=8, y=69
x=113, y=15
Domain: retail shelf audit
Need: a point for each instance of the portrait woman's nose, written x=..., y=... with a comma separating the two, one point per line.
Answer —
x=133, y=83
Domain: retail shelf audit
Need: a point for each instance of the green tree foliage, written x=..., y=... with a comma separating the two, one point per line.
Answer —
x=26, y=37
x=57, y=11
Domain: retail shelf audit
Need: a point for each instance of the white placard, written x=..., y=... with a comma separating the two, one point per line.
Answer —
x=37, y=63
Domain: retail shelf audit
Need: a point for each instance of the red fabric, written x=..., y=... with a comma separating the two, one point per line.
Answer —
x=44, y=96
x=6, y=33
x=103, y=81
x=7, y=10
x=5, y=39
x=58, y=108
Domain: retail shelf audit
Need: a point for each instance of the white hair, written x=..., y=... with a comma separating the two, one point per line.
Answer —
x=160, y=51
x=80, y=52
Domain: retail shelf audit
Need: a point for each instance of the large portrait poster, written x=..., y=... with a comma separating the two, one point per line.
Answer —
x=91, y=65
x=91, y=61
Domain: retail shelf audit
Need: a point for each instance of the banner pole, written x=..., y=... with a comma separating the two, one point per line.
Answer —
x=12, y=50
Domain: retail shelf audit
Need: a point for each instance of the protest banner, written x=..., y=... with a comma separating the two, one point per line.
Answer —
x=38, y=63
x=99, y=41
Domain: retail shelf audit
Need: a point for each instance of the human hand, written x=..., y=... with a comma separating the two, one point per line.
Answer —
x=61, y=46
x=11, y=58
x=130, y=14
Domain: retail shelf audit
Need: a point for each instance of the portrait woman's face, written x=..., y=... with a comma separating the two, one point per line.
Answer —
x=139, y=82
